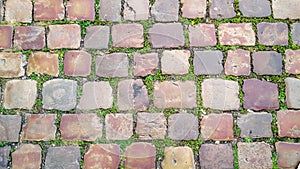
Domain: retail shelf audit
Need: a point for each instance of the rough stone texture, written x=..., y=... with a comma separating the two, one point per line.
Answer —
x=175, y=62
x=202, y=35
x=118, y=126
x=255, y=8
x=220, y=94
x=183, y=126
x=11, y=65
x=43, y=63
x=288, y=123
x=193, y=8
x=47, y=10
x=260, y=95
x=136, y=10
x=1, y=10
x=97, y=37
x=238, y=63
x=237, y=34
x=63, y=157
x=296, y=33
x=132, y=94
x=151, y=126
x=85, y=127
x=110, y=10
x=165, y=10
x=288, y=154
x=255, y=125
x=39, y=127
x=216, y=156
x=267, y=63
x=292, y=61
x=10, y=126
x=18, y=11
x=221, y=9
x=178, y=158
x=102, y=156
x=77, y=63
x=129, y=35
x=112, y=65
x=254, y=155
x=145, y=64
x=175, y=94
x=283, y=9
x=217, y=127
x=4, y=155
x=59, y=94
x=27, y=156
x=29, y=37
x=140, y=155
x=80, y=10
x=292, y=91
x=96, y=95
x=6, y=33
x=272, y=33
x=64, y=36
x=20, y=94
x=166, y=35
x=208, y=62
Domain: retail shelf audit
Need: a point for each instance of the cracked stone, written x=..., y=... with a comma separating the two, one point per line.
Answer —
x=255, y=8
x=18, y=11
x=43, y=63
x=11, y=65
x=10, y=126
x=6, y=34
x=136, y=10
x=27, y=156
x=97, y=37
x=165, y=10
x=77, y=63
x=221, y=9
x=238, y=63
x=271, y=34
x=80, y=10
x=4, y=155
x=202, y=35
x=193, y=8
x=128, y=35
x=178, y=158
x=175, y=62
x=47, y=10
x=110, y=10
x=267, y=63
x=296, y=33
x=292, y=86
x=292, y=61
x=288, y=123
x=118, y=126
x=283, y=9
x=63, y=157
x=145, y=64
x=29, y=37
x=288, y=154
x=237, y=34
x=208, y=62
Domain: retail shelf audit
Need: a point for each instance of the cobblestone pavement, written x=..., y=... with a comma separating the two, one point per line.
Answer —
x=144, y=84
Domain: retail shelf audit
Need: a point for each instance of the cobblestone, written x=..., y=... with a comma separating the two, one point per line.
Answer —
x=292, y=86
x=165, y=10
x=175, y=62
x=6, y=33
x=29, y=37
x=11, y=65
x=221, y=9
x=270, y=34
x=133, y=37
x=110, y=10
x=283, y=9
x=97, y=37
x=43, y=63
x=77, y=63
x=10, y=126
x=183, y=126
x=193, y=8
x=13, y=8
x=288, y=123
x=178, y=158
x=238, y=63
x=45, y=10
x=145, y=64
x=63, y=157
x=80, y=10
x=255, y=8
x=201, y=35
x=27, y=156
x=208, y=62
x=292, y=61
x=267, y=63
x=136, y=10
x=4, y=155
x=296, y=33
x=118, y=126
x=288, y=154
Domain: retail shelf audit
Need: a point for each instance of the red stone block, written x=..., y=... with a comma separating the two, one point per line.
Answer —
x=80, y=10
x=77, y=63
x=47, y=10
x=6, y=33
x=288, y=123
x=29, y=37
x=118, y=126
x=27, y=156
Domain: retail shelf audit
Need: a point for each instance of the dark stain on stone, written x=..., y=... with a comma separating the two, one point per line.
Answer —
x=137, y=90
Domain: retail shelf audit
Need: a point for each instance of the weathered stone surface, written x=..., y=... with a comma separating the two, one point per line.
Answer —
x=77, y=63
x=6, y=33
x=255, y=8
x=45, y=10
x=110, y=10
x=216, y=156
x=132, y=94
x=11, y=65
x=43, y=63
x=4, y=155
x=140, y=155
x=64, y=36
x=292, y=91
x=272, y=33
x=166, y=35
x=133, y=37
x=97, y=37
x=18, y=11
x=145, y=64
x=288, y=123
x=217, y=127
x=283, y=9
x=238, y=63
x=267, y=63
x=237, y=34
x=59, y=94
x=175, y=94
x=221, y=9
x=165, y=10
x=260, y=95
x=10, y=126
x=151, y=126
x=193, y=8
x=1, y=10
x=29, y=37
x=63, y=157
x=178, y=158
x=183, y=126
x=136, y=10
x=254, y=155
x=220, y=94
x=85, y=127
x=255, y=125
x=102, y=156
x=20, y=94
x=118, y=126
x=292, y=61
x=288, y=154
x=96, y=95
x=39, y=127
x=175, y=62
x=208, y=62
x=201, y=35
x=80, y=10
x=112, y=65
x=296, y=33
x=27, y=156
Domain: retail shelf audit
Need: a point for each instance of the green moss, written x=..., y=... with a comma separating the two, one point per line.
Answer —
x=236, y=157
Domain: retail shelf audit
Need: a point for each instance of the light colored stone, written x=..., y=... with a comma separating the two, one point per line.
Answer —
x=283, y=9
x=165, y=10
x=292, y=91
x=175, y=62
x=118, y=126
x=178, y=158
x=136, y=10
x=193, y=8
x=236, y=34
x=11, y=65
x=151, y=126
x=43, y=63
x=18, y=11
